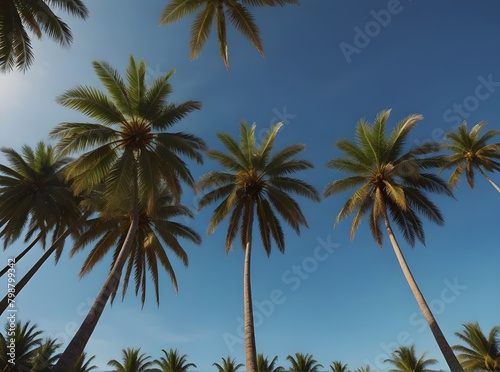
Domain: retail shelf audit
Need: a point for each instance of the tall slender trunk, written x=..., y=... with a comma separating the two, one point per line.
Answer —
x=489, y=180
x=445, y=348
x=20, y=255
x=27, y=277
x=250, y=349
x=76, y=346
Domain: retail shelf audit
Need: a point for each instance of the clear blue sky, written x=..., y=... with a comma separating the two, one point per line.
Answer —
x=352, y=304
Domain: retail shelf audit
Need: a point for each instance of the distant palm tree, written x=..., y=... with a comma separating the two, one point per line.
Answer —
x=129, y=152
x=45, y=356
x=364, y=369
x=174, y=362
x=481, y=353
x=264, y=365
x=18, y=16
x=216, y=12
x=255, y=185
x=338, y=366
x=471, y=152
x=228, y=365
x=391, y=184
x=33, y=194
x=27, y=340
x=303, y=363
x=405, y=360
x=83, y=364
x=132, y=361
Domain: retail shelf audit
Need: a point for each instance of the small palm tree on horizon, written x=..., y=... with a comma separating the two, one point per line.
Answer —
x=303, y=363
x=338, y=366
x=255, y=185
x=173, y=361
x=228, y=365
x=391, y=184
x=265, y=365
x=132, y=361
x=404, y=359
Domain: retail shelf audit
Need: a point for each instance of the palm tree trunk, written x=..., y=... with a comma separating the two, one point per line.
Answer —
x=445, y=348
x=489, y=180
x=20, y=255
x=27, y=277
x=76, y=346
x=250, y=349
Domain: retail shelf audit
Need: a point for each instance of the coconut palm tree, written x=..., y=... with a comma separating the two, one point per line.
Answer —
x=45, y=356
x=216, y=12
x=391, y=184
x=255, y=185
x=264, y=365
x=17, y=17
x=155, y=232
x=83, y=364
x=132, y=361
x=338, y=366
x=480, y=353
x=404, y=359
x=129, y=154
x=27, y=340
x=228, y=365
x=34, y=194
x=174, y=362
x=303, y=363
x=364, y=369
x=471, y=151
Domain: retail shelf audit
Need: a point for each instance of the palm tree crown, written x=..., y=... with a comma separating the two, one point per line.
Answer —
x=228, y=365
x=174, y=362
x=17, y=17
x=132, y=361
x=83, y=364
x=338, y=366
x=471, y=151
x=264, y=365
x=404, y=359
x=216, y=12
x=303, y=363
x=481, y=353
x=27, y=339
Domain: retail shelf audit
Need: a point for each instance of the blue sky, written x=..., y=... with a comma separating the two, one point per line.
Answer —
x=336, y=298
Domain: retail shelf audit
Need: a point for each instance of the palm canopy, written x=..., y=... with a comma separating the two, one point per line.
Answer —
x=471, y=151
x=481, y=352
x=173, y=362
x=155, y=233
x=338, y=366
x=33, y=194
x=18, y=17
x=83, y=364
x=264, y=365
x=46, y=356
x=216, y=12
x=228, y=365
x=132, y=361
x=256, y=181
x=404, y=359
x=128, y=141
x=387, y=178
x=27, y=340
x=303, y=363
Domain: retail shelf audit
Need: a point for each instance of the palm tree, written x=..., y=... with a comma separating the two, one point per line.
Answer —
x=34, y=194
x=392, y=184
x=153, y=232
x=132, y=361
x=129, y=152
x=228, y=365
x=337, y=366
x=255, y=184
x=264, y=365
x=27, y=341
x=174, y=362
x=481, y=353
x=216, y=12
x=364, y=369
x=18, y=16
x=303, y=363
x=471, y=152
x=404, y=359
x=83, y=364
x=45, y=356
